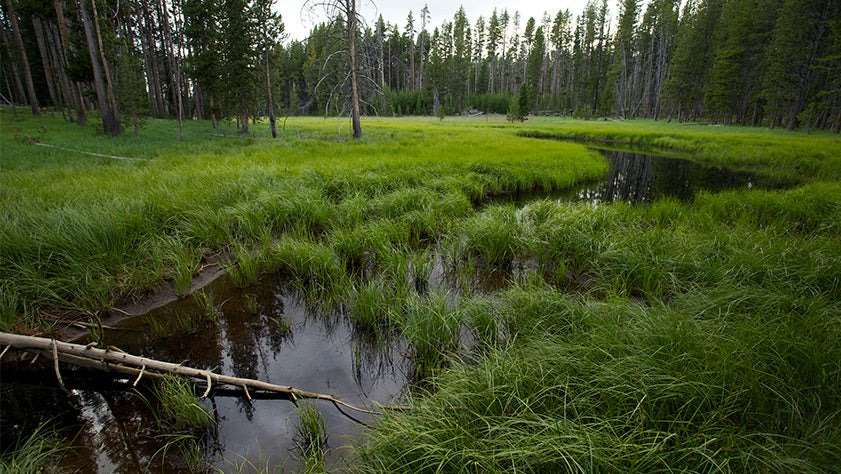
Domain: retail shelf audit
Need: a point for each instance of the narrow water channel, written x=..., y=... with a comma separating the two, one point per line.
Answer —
x=638, y=178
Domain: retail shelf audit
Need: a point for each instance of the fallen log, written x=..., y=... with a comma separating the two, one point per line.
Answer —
x=36, y=142
x=110, y=359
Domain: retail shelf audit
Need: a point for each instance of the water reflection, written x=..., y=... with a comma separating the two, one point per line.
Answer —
x=640, y=178
x=267, y=333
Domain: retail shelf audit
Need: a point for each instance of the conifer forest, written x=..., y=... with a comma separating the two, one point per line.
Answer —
x=773, y=63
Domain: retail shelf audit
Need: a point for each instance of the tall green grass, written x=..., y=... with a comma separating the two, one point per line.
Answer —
x=702, y=337
x=79, y=231
x=36, y=453
x=690, y=337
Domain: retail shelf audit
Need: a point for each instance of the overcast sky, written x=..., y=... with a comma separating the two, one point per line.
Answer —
x=298, y=23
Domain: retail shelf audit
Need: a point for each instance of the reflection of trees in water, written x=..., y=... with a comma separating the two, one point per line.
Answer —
x=629, y=179
x=372, y=356
x=108, y=428
x=637, y=178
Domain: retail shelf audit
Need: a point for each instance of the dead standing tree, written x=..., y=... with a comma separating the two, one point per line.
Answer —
x=336, y=9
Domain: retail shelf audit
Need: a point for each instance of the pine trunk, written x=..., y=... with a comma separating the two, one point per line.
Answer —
x=354, y=94
x=27, y=74
x=272, y=121
x=21, y=93
x=75, y=89
x=45, y=62
x=110, y=122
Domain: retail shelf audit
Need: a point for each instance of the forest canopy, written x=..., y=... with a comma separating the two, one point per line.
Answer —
x=774, y=63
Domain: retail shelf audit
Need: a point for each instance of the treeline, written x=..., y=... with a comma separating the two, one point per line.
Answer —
x=774, y=63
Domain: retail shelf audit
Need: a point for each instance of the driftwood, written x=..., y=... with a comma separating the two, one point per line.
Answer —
x=112, y=359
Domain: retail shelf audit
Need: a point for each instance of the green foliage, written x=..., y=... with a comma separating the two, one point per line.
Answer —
x=491, y=103
x=311, y=437
x=39, y=452
x=177, y=406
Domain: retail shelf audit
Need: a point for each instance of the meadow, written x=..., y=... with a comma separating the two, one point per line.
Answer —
x=696, y=336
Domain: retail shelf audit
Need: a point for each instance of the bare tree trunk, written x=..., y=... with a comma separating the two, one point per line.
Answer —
x=351, y=46
x=65, y=86
x=381, y=49
x=109, y=83
x=175, y=74
x=110, y=122
x=9, y=89
x=15, y=73
x=152, y=70
x=27, y=74
x=76, y=89
x=412, y=63
x=11, y=99
x=118, y=361
x=46, y=63
x=272, y=121
x=212, y=109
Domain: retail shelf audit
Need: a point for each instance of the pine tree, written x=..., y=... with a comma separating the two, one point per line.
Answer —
x=201, y=28
x=535, y=67
x=801, y=37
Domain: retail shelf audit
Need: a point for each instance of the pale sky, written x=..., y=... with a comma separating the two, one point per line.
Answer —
x=298, y=23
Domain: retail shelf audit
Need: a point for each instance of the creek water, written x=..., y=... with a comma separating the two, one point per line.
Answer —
x=270, y=332
x=267, y=332
x=637, y=178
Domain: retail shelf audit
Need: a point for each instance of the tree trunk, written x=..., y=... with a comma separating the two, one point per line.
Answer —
x=76, y=89
x=174, y=73
x=110, y=122
x=272, y=121
x=109, y=83
x=15, y=72
x=212, y=110
x=65, y=86
x=118, y=361
x=9, y=89
x=351, y=46
x=27, y=74
x=152, y=68
x=45, y=62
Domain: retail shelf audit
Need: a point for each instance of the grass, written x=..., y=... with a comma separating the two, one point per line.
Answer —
x=80, y=231
x=177, y=406
x=794, y=156
x=693, y=336
x=38, y=452
x=311, y=437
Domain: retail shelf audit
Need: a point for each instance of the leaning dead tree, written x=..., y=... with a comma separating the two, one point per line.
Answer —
x=114, y=360
x=348, y=9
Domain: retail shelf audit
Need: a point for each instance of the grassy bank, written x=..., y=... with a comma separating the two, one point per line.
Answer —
x=78, y=230
x=700, y=336
x=793, y=156
x=705, y=338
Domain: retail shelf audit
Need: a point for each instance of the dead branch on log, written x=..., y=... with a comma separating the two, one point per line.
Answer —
x=118, y=361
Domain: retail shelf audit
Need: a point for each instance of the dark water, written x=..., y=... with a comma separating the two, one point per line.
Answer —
x=321, y=352
x=641, y=178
